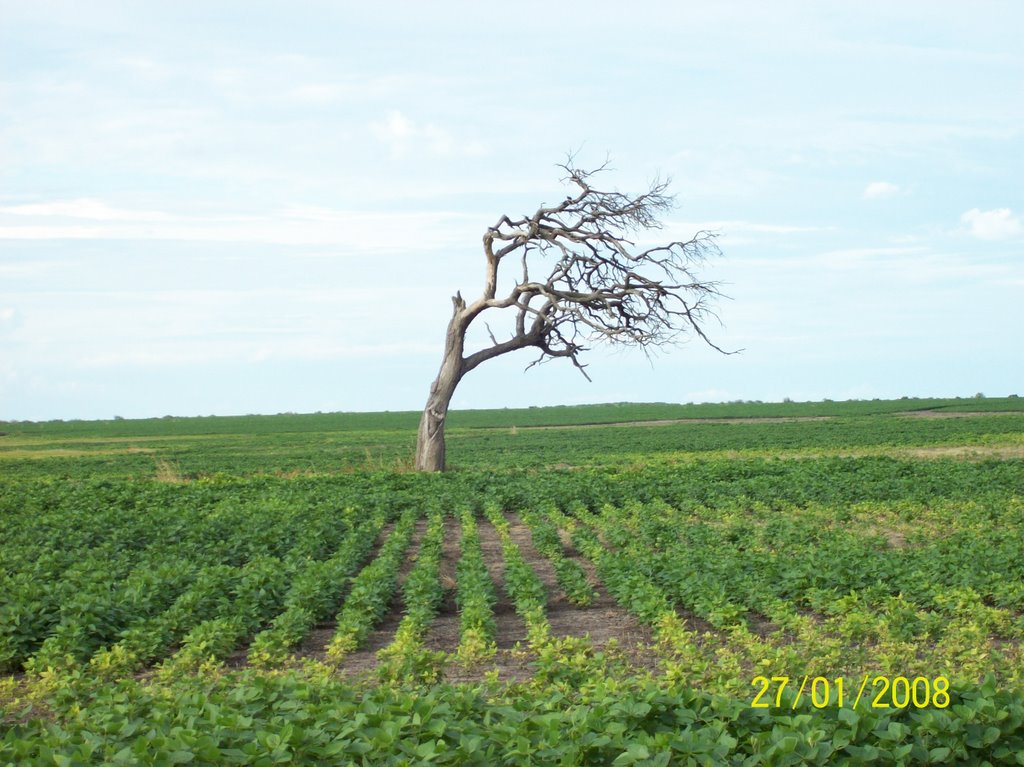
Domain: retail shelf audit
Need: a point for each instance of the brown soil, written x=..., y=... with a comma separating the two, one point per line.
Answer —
x=443, y=634
x=602, y=619
x=761, y=625
x=896, y=539
x=643, y=634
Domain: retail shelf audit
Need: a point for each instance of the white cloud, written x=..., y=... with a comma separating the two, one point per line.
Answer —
x=402, y=135
x=294, y=225
x=998, y=224
x=317, y=93
x=750, y=227
x=880, y=190
x=733, y=232
x=10, y=321
x=908, y=266
x=857, y=257
x=28, y=269
x=396, y=127
x=172, y=354
x=83, y=207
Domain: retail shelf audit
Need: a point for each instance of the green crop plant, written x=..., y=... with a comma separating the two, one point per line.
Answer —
x=371, y=592
x=313, y=595
x=571, y=577
x=521, y=583
x=475, y=596
x=422, y=593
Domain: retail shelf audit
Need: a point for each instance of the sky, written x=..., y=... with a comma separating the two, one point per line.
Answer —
x=260, y=207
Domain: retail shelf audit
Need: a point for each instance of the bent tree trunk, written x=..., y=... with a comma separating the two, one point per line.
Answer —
x=430, y=440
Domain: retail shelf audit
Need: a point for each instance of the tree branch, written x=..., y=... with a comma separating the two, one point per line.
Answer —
x=600, y=286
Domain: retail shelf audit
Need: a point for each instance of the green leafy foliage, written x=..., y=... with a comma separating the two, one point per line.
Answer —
x=571, y=577
x=253, y=719
x=475, y=596
x=521, y=582
x=823, y=548
x=371, y=592
x=313, y=595
x=422, y=594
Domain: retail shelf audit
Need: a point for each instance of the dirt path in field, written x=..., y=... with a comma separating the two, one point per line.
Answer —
x=966, y=452
x=955, y=414
x=766, y=419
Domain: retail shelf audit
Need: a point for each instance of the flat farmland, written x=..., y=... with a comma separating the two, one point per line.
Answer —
x=753, y=583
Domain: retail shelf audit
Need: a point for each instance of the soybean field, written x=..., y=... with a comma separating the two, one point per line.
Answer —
x=791, y=583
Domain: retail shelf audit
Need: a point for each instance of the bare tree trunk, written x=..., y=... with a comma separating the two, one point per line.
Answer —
x=430, y=447
x=430, y=441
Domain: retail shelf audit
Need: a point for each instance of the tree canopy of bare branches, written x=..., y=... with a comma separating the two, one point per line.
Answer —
x=579, y=279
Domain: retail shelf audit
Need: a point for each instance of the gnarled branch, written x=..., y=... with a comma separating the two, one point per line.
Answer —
x=601, y=286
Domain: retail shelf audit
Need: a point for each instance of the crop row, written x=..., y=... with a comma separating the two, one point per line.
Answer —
x=475, y=595
x=571, y=578
x=521, y=583
x=670, y=567
x=371, y=592
x=909, y=571
x=123, y=620
x=313, y=595
x=422, y=594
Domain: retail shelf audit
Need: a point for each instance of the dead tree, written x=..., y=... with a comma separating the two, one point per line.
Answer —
x=599, y=287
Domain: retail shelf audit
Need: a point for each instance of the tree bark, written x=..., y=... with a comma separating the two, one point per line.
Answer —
x=430, y=444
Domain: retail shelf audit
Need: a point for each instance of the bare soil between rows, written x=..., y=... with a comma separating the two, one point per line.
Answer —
x=604, y=621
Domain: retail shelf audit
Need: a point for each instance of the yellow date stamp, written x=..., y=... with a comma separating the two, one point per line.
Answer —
x=878, y=692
